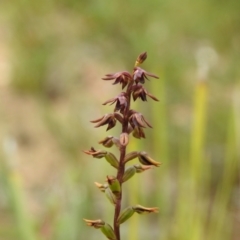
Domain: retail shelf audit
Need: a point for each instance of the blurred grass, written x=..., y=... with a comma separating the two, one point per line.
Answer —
x=15, y=193
x=58, y=52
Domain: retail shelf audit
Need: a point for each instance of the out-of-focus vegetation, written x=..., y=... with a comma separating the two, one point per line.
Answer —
x=52, y=56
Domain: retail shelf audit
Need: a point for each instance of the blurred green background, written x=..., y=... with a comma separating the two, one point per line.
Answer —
x=52, y=57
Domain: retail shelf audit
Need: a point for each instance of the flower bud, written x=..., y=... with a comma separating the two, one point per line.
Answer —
x=110, y=157
x=130, y=156
x=124, y=138
x=145, y=159
x=95, y=223
x=142, y=210
x=141, y=58
x=107, y=230
x=125, y=215
x=129, y=172
x=114, y=185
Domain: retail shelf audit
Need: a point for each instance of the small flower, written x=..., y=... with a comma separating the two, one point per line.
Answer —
x=110, y=157
x=141, y=58
x=120, y=77
x=141, y=210
x=136, y=119
x=106, y=119
x=107, y=142
x=95, y=153
x=108, y=192
x=95, y=223
x=106, y=229
x=121, y=102
x=138, y=91
x=145, y=159
x=140, y=75
x=138, y=133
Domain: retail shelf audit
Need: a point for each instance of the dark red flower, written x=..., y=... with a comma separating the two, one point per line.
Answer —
x=119, y=77
x=136, y=119
x=106, y=119
x=138, y=133
x=138, y=91
x=121, y=102
x=140, y=75
x=109, y=118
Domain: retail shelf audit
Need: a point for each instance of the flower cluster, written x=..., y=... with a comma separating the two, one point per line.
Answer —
x=132, y=123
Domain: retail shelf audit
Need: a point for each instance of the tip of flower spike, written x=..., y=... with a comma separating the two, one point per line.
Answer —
x=141, y=58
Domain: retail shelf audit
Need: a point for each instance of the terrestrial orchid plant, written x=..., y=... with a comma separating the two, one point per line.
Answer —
x=132, y=122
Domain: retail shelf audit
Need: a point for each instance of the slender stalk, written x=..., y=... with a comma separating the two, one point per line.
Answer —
x=131, y=122
x=121, y=168
x=119, y=199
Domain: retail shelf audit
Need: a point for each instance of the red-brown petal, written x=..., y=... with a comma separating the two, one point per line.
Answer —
x=97, y=120
x=149, y=125
x=140, y=120
x=112, y=100
x=152, y=97
x=151, y=75
x=111, y=124
x=104, y=121
x=118, y=117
